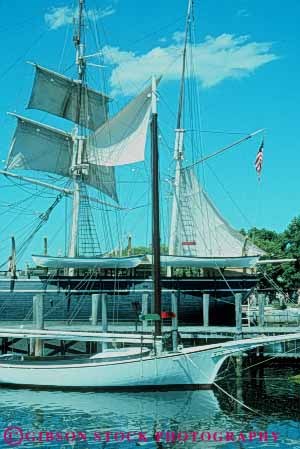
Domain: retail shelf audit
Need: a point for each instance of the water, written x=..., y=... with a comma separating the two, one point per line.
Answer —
x=87, y=420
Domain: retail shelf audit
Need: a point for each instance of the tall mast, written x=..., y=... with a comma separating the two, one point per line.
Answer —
x=155, y=211
x=179, y=137
x=79, y=140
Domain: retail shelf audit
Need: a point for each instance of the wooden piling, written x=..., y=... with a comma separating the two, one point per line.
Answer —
x=39, y=322
x=145, y=297
x=261, y=309
x=238, y=312
x=95, y=307
x=104, y=317
x=174, y=299
x=32, y=340
x=206, y=309
x=94, y=318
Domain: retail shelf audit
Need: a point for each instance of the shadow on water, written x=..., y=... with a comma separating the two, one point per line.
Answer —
x=273, y=395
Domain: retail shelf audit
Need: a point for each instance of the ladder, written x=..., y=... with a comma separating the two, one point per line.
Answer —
x=88, y=238
x=188, y=227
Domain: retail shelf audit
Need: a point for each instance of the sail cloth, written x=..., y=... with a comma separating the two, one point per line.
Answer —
x=200, y=230
x=122, y=139
x=59, y=95
x=39, y=147
x=119, y=141
x=43, y=148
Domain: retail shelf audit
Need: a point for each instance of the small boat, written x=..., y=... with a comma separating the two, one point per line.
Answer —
x=187, y=368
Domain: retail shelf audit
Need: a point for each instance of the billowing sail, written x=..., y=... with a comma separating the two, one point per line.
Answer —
x=43, y=148
x=59, y=95
x=122, y=139
x=200, y=230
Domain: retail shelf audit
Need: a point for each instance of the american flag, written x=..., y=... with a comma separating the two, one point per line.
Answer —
x=259, y=159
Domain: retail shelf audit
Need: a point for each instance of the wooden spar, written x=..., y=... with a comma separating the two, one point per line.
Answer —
x=37, y=182
x=222, y=150
x=274, y=261
x=155, y=211
x=59, y=189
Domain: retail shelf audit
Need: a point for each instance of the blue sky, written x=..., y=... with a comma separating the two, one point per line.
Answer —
x=247, y=70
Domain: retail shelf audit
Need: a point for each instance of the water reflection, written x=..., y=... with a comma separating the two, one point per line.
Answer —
x=273, y=395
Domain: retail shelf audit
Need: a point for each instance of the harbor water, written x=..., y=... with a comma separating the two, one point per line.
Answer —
x=262, y=411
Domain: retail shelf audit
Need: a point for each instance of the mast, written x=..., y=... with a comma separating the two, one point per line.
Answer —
x=79, y=140
x=179, y=137
x=155, y=211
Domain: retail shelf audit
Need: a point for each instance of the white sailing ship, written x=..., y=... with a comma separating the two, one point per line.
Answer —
x=88, y=157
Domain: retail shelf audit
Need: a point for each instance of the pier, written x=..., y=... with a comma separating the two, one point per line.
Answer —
x=35, y=335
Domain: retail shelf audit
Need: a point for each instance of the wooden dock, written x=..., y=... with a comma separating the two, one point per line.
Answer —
x=41, y=337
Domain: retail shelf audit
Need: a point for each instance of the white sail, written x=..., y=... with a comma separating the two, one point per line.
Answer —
x=59, y=95
x=40, y=147
x=200, y=230
x=122, y=139
x=43, y=148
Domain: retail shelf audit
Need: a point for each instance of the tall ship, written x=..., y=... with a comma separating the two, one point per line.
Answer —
x=83, y=164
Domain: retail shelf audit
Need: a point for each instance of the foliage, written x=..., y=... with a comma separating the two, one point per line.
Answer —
x=284, y=245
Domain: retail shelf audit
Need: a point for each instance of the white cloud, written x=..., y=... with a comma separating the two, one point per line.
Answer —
x=216, y=59
x=178, y=36
x=58, y=17
x=243, y=13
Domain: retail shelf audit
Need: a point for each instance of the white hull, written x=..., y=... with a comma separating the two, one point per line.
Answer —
x=194, y=366
x=197, y=366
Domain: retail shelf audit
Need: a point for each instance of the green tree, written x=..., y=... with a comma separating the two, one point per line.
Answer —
x=291, y=272
x=284, y=245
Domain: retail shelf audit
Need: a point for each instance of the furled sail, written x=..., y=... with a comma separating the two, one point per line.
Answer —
x=43, y=148
x=200, y=230
x=122, y=139
x=59, y=95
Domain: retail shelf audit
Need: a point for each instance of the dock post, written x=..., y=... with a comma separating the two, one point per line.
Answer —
x=32, y=340
x=174, y=298
x=261, y=309
x=206, y=309
x=39, y=322
x=238, y=313
x=104, y=318
x=95, y=306
x=145, y=297
x=94, y=318
x=239, y=329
